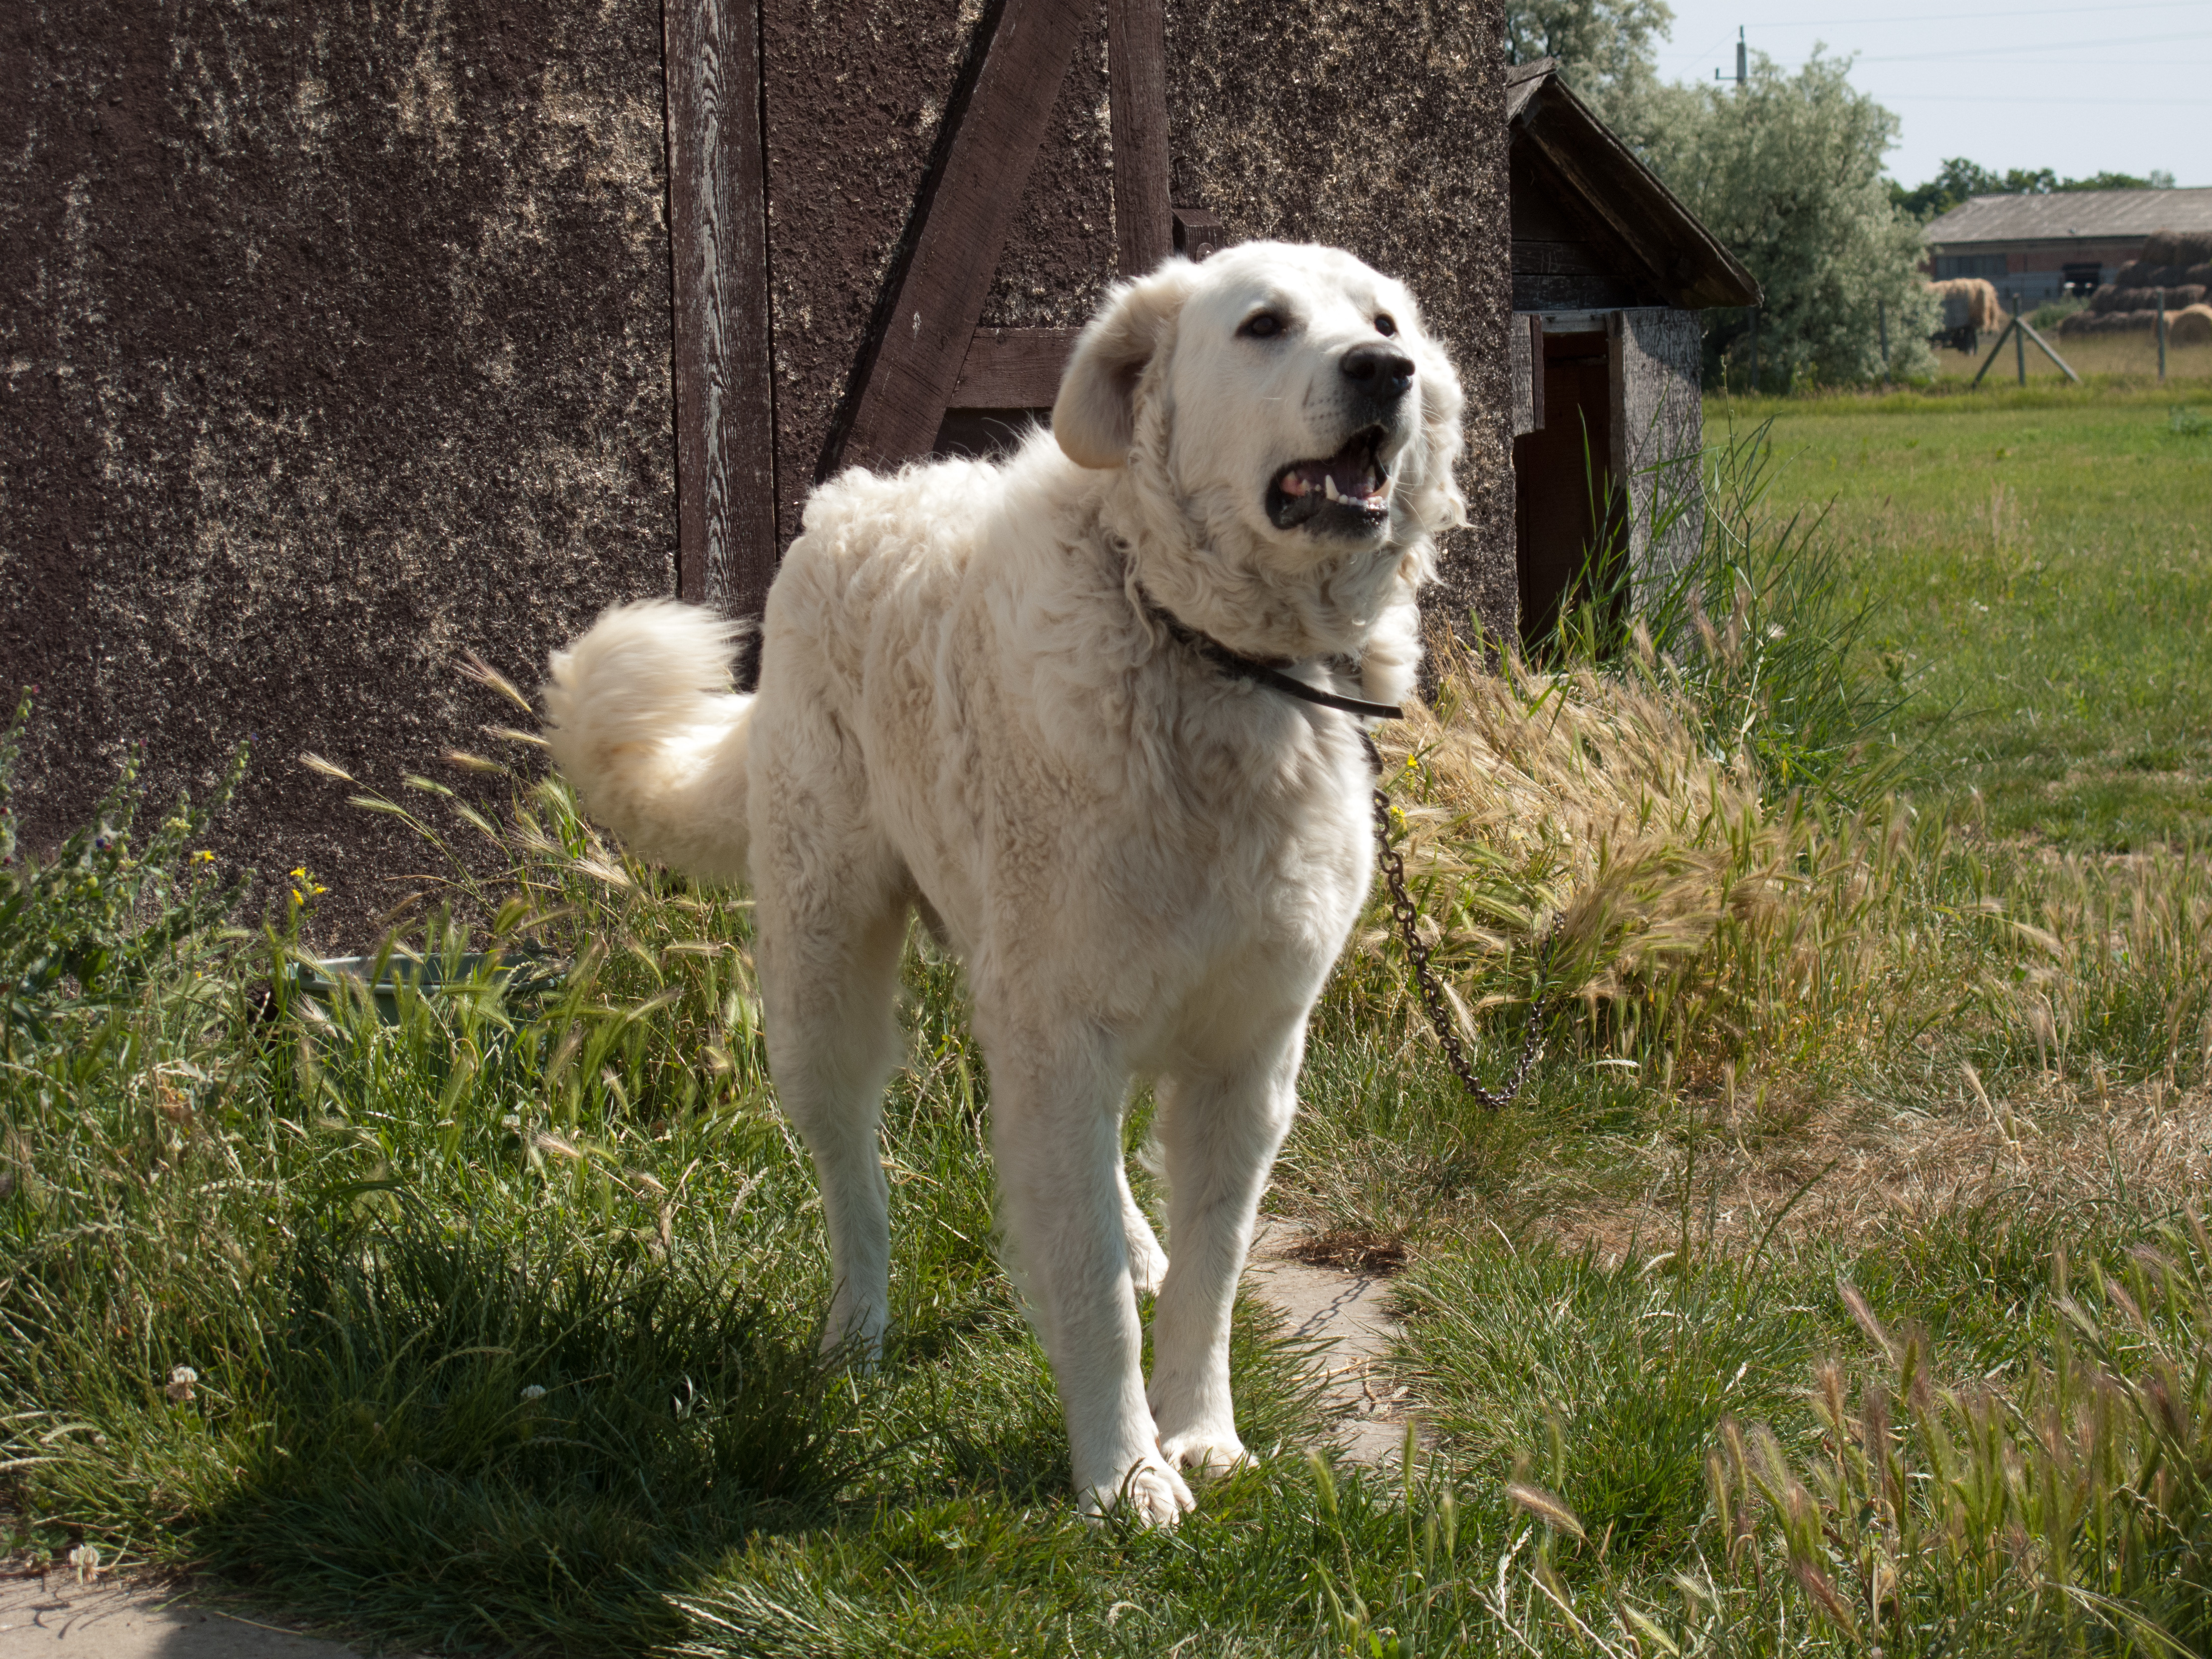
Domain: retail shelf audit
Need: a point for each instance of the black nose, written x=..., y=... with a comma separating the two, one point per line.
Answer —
x=1382, y=374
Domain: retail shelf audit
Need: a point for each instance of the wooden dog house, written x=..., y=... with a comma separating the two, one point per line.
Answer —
x=1609, y=272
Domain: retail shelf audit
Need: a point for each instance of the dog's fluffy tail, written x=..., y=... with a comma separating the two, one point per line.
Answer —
x=641, y=720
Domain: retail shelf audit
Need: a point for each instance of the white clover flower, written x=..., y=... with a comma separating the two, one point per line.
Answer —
x=180, y=1388
x=534, y=1392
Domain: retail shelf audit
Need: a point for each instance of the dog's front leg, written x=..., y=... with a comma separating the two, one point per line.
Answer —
x=1056, y=1127
x=1219, y=1130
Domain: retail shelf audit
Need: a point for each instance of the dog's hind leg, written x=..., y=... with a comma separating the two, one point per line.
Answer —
x=1219, y=1130
x=1056, y=1131
x=832, y=902
x=829, y=981
x=1148, y=1262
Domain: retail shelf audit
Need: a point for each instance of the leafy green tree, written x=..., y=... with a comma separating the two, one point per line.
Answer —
x=1959, y=179
x=1606, y=48
x=1786, y=170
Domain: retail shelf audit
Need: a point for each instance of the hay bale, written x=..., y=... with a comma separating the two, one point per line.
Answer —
x=1973, y=298
x=2150, y=273
x=2078, y=322
x=2122, y=322
x=2191, y=326
x=2177, y=248
x=2177, y=295
x=2200, y=274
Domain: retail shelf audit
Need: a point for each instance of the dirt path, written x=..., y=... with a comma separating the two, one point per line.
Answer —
x=136, y=1618
x=1347, y=1311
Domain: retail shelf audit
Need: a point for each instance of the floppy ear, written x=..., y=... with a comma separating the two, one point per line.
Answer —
x=1095, y=415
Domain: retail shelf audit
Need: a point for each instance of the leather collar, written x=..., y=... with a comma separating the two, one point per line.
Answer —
x=1240, y=666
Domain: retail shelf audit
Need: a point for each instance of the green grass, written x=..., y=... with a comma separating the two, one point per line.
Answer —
x=2040, y=565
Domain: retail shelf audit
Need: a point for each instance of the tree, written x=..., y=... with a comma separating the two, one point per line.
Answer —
x=1786, y=170
x=1959, y=179
x=1605, y=48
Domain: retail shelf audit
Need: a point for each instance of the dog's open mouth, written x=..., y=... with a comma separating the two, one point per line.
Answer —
x=1349, y=492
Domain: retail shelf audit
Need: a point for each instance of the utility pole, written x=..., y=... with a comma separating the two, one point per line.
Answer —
x=1742, y=59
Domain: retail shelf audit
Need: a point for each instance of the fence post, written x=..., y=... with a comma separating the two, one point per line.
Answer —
x=1881, y=322
x=2019, y=340
x=2161, y=336
x=1754, y=351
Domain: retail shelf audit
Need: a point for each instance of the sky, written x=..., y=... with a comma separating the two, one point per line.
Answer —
x=2123, y=87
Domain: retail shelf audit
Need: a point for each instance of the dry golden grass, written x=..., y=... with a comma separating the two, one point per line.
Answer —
x=1872, y=1018
x=1696, y=921
x=1858, y=1172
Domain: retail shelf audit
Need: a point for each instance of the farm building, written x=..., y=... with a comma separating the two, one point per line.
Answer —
x=344, y=345
x=2044, y=247
x=1609, y=274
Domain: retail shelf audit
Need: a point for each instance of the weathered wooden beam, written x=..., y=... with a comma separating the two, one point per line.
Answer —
x=1197, y=233
x=930, y=323
x=1012, y=368
x=717, y=230
x=1137, y=90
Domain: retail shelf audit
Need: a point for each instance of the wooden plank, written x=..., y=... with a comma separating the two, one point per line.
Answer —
x=1655, y=357
x=1197, y=233
x=1537, y=293
x=718, y=231
x=1012, y=368
x=939, y=296
x=1524, y=349
x=1551, y=258
x=1537, y=377
x=1523, y=368
x=1137, y=78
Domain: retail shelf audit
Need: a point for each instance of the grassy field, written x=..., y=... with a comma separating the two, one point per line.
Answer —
x=1832, y=1288
x=2039, y=567
x=2108, y=362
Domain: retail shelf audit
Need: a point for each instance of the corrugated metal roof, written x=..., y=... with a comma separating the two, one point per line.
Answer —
x=2085, y=214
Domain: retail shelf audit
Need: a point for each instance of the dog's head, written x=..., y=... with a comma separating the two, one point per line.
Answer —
x=1285, y=403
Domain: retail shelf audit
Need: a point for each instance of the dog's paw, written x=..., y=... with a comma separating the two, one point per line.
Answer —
x=1212, y=1447
x=1151, y=1493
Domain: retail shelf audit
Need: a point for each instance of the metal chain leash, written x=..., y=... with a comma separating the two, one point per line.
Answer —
x=1432, y=996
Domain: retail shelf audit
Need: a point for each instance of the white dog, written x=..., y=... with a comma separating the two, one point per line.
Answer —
x=996, y=692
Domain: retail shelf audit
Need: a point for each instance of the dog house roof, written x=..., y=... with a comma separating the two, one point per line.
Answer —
x=1680, y=257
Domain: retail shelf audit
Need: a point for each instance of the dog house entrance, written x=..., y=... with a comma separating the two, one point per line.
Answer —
x=1569, y=512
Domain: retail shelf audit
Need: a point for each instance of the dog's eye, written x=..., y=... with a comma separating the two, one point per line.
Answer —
x=1385, y=323
x=1265, y=326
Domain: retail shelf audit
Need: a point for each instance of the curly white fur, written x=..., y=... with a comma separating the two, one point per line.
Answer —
x=1147, y=867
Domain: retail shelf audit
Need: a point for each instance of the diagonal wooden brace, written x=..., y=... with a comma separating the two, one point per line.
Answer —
x=930, y=324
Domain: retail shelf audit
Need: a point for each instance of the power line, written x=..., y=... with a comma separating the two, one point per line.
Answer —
x=2132, y=103
x=1949, y=17
x=1982, y=16
x=2054, y=45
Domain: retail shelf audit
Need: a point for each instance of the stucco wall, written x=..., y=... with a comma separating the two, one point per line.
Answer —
x=1380, y=130
x=333, y=341
x=1383, y=130
x=336, y=338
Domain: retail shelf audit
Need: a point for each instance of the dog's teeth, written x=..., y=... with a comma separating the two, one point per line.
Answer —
x=1328, y=487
